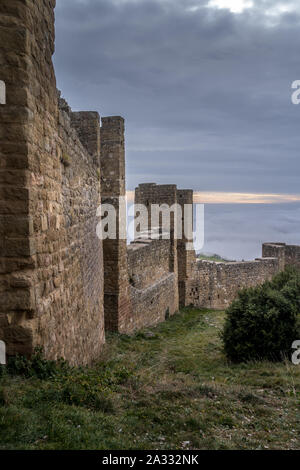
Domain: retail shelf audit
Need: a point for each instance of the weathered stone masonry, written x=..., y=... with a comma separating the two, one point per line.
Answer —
x=51, y=261
x=153, y=287
x=60, y=286
x=288, y=255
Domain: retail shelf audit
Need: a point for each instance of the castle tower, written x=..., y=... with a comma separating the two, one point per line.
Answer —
x=116, y=282
x=149, y=194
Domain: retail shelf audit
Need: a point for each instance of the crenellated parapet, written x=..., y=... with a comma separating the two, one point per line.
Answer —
x=116, y=283
x=150, y=195
x=288, y=255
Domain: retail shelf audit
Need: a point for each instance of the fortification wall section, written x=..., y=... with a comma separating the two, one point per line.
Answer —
x=153, y=288
x=116, y=283
x=151, y=194
x=60, y=286
x=148, y=261
x=16, y=224
x=215, y=285
x=51, y=260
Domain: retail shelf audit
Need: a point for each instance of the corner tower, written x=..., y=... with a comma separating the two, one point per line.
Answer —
x=51, y=267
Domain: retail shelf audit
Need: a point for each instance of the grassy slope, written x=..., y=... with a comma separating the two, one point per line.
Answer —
x=170, y=389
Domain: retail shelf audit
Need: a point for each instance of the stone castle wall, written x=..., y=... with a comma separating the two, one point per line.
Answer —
x=148, y=262
x=216, y=284
x=288, y=255
x=153, y=288
x=51, y=260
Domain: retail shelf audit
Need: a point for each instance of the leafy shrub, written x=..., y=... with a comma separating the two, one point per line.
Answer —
x=263, y=322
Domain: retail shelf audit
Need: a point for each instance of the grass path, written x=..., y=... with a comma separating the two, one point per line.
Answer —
x=168, y=387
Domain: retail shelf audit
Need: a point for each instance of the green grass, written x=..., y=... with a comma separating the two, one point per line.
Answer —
x=168, y=387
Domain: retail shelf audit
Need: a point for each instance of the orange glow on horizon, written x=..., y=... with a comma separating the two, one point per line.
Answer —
x=215, y=197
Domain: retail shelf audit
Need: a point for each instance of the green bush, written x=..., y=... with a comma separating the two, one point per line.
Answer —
x=263, y=322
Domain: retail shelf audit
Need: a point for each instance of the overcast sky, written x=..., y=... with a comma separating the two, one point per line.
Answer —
x=205, y=90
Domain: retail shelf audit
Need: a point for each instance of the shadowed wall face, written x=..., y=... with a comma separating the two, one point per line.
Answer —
x=51, y=274
x=186, y=258
x=216, y=284
x=288, y=255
